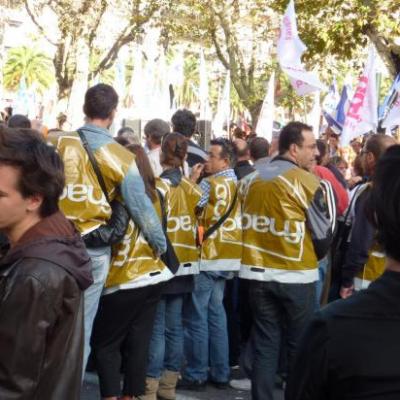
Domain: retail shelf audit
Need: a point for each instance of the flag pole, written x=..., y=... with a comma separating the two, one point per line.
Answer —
x=305, y=109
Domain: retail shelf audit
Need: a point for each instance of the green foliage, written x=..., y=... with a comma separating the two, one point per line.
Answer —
x=31, y=64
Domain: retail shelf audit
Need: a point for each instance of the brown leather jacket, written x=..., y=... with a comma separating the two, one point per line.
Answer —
x=41, y=313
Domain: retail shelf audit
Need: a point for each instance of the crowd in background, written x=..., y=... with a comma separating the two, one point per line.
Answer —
x=180, y=263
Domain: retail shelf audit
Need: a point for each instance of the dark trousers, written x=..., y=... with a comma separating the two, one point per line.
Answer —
x=239, y=319
x=124, y=321
x=231, y=304
x=275, y=307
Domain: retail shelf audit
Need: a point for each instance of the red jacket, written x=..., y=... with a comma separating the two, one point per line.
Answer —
x=342, y=197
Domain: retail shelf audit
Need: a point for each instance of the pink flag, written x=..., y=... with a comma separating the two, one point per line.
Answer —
x=362, y=115
x=290, y=50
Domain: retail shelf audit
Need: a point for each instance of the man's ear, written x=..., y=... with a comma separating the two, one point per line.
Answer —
x=34, y=202
x=293, y=149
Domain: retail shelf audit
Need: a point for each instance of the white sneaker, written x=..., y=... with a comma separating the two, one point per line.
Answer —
x=240, y=384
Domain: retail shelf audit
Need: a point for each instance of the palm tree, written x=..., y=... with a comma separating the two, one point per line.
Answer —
x=32, y=65
x=187, y=94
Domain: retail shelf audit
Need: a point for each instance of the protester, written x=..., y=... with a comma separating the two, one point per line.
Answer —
x=356, y=145
x=42, y=275
x=333, y=142
x=364, y=260
x=357, y=173
x=181, y=196
x=238, y=133
x=184, y=122
x=127, y=136
x=342, y=197
x=242, y=153
x=286, y=230
x=341, y=165
x=154, y=131
x=235, y=291
x=124, y=321
x=350, y=349
x=19, y=121
x=84, y=201
x=325, y=161
x=259, y=152
x=206, y=339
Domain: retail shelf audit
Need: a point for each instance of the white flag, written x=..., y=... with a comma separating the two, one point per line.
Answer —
x=266, y=120
x=203, y=92
x=290, y=50
x=222, y=117
x=362, y=115
x=314, y=118
x=393, y=117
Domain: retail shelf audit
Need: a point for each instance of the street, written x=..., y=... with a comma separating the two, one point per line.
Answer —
x=90, y=391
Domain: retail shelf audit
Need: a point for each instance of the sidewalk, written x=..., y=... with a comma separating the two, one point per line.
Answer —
x=90, y=391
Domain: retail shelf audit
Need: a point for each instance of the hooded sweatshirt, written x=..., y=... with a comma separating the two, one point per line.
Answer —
x=41, y=312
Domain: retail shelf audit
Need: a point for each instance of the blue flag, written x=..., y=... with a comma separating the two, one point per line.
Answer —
x=342, y=106
x=390, y=97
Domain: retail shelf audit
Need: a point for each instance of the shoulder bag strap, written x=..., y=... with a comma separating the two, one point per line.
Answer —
x=216, y=226
x=163, y=213
x=93, y=161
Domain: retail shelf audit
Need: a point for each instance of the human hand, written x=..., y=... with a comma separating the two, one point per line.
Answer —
x=196, y=171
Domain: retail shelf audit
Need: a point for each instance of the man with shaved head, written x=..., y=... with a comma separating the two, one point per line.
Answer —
x=242, y=153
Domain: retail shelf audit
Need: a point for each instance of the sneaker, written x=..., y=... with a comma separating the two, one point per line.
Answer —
x=194, y=386
x=219, y=385
x=240, y=384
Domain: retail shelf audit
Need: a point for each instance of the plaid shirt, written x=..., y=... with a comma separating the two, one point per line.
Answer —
x=205, y=185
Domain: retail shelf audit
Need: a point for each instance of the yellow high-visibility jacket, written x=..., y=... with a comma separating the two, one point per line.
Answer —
x=133, y=263
x=181, y=197
x=222, y=251
x=83, y=201
x=286, y=225
x=372, y=270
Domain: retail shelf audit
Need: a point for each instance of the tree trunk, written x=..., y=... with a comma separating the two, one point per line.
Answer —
x=79, y=86
x=255, y=111
x=389, y=55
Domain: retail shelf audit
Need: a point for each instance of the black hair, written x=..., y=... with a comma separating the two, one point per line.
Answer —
x=383, y=205
x=19, y=121
x=184, y=122
x=290, y=134
x=322, y=150
x=100, y=101
x=259, y=148
x=227, y=151
x=42, y=170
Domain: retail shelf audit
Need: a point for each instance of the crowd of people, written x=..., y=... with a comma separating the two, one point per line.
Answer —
x=168, y=265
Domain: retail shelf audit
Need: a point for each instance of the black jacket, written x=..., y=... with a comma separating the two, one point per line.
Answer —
x=195, y=154
x=243, y=168
x=362, y=239
x=41, y=313
x=351, y=350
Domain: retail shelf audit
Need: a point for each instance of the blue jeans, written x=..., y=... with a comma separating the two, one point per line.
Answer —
x=206, y=336
x=276, y=307
x=101, y=258
x=322, y=271
x=166, y=345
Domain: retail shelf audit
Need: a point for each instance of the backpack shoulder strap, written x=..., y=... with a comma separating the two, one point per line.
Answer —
x=93, y=161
